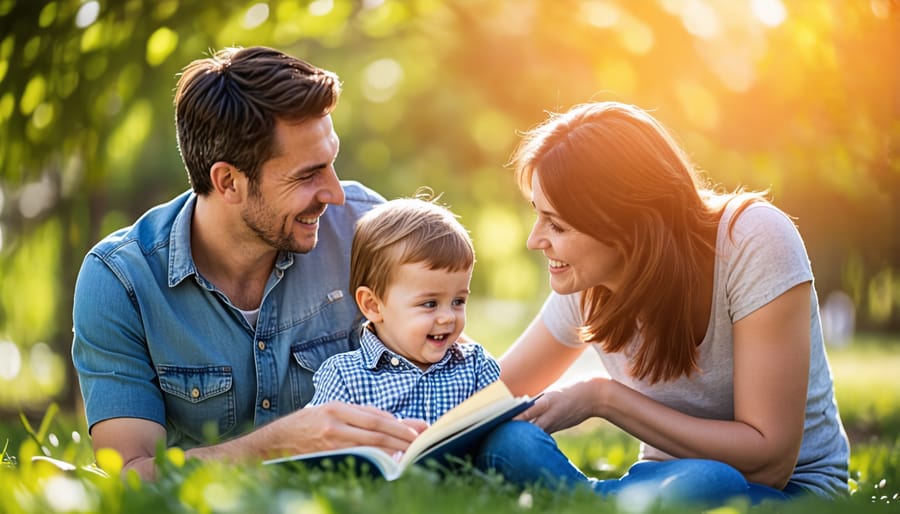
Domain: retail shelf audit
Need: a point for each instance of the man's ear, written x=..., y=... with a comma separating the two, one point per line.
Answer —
x=228, y=182
x=369, y=304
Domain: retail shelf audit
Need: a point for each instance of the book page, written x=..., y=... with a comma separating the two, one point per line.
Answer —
x=482, y=405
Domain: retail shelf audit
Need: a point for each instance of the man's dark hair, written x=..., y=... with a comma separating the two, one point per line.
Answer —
x=226, y=107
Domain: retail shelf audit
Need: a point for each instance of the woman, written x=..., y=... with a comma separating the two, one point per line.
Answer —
x=700, y=305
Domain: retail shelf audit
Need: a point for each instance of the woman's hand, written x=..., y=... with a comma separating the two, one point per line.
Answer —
x=564, y=408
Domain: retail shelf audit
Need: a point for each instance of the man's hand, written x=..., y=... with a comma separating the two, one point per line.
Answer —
x=419, y=425
x=336, y=425
x=323, y=427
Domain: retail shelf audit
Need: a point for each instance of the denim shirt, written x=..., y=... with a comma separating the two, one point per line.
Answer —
x=155, y=340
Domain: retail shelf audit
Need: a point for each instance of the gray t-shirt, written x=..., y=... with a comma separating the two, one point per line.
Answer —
x=763, y=259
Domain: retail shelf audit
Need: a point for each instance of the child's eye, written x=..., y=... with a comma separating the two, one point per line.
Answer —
x=459, y=301
x=430, y=304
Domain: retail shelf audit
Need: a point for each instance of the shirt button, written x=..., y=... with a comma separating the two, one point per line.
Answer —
x=261, y=345
x=265, y=403
x=195, y=393
x=395, y=361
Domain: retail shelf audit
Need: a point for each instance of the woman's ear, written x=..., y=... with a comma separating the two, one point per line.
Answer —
x=369, y=304
x=227, y=181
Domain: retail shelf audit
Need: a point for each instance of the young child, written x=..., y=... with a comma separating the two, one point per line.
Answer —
x=410, y=267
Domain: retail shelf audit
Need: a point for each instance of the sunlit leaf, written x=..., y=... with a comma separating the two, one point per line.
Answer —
x=160, y=45
x=48, y=15
x=383, y=20
x=128, y=137
x=34, y=94
x=92, y=38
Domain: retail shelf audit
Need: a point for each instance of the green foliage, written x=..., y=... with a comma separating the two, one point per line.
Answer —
x=37, y=475
x=45, y=485
x=799, y=97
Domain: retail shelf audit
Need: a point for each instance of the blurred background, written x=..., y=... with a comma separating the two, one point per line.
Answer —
x=798, y=97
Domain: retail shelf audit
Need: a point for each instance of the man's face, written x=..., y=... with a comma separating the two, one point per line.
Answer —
x=295, y=186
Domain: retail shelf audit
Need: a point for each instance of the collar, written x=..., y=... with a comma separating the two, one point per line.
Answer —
x=181, y=261
x=375, y=354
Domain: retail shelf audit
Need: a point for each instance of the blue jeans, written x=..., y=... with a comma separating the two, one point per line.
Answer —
x=526, y=455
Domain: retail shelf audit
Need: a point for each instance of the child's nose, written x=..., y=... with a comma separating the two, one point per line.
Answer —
x=444, y=316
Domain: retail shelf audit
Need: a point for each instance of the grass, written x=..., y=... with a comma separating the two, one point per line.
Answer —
x=867, y=386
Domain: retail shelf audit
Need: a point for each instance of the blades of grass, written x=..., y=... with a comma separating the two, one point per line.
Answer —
x=52, y=411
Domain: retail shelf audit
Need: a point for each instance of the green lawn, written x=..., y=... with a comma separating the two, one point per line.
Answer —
x=867, y=376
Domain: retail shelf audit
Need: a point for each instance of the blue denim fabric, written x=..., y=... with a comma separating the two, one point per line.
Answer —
x=526, y=455
x=155, y=340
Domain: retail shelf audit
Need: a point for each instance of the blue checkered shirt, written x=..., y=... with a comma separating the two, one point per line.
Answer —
x=374, y=375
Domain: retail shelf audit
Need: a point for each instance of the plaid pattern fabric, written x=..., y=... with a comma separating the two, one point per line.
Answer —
x=374, y=375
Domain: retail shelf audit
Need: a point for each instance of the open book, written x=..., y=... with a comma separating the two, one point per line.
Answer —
x=457, y=433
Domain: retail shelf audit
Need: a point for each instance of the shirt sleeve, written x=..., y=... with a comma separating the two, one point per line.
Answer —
x=109, y=349
x=764, y=256
x=487, y=368
x=562, y=316
x=330, y=384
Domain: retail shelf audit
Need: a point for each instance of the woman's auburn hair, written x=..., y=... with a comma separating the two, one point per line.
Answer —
x=613, y=172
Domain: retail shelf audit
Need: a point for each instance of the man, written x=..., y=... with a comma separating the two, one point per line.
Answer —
x=202, y=323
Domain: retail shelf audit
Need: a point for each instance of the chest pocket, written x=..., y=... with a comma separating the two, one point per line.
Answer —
x=308, y=356
x=199, y=400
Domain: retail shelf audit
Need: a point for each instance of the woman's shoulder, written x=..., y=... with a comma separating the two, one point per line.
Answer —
x=744, y=218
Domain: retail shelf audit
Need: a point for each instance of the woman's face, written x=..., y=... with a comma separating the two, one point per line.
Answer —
x=576, y=261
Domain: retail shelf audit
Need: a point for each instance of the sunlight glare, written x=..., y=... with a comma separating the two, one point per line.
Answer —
x=256, y=15
x=10, y=360
x=36, y=197
x=700, y=19
x=600, y=13
x=321, y=7
x=881, y=8
x=44, y=363
x=769, y=12
x=636, y=36
x=65, y=494
x=382, y=76
x=87, y=14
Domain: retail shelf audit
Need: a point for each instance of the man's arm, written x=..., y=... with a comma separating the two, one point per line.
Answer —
x=324, y=427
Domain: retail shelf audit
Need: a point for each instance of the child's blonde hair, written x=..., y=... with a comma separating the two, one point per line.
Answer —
x=406, y=231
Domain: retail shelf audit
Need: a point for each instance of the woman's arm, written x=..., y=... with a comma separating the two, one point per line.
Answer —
x=771, y=371
x=536, y=360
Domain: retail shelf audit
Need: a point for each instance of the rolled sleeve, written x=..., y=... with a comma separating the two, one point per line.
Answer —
x=115, y=371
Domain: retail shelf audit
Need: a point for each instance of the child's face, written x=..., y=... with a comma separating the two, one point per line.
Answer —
x=423, y=313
